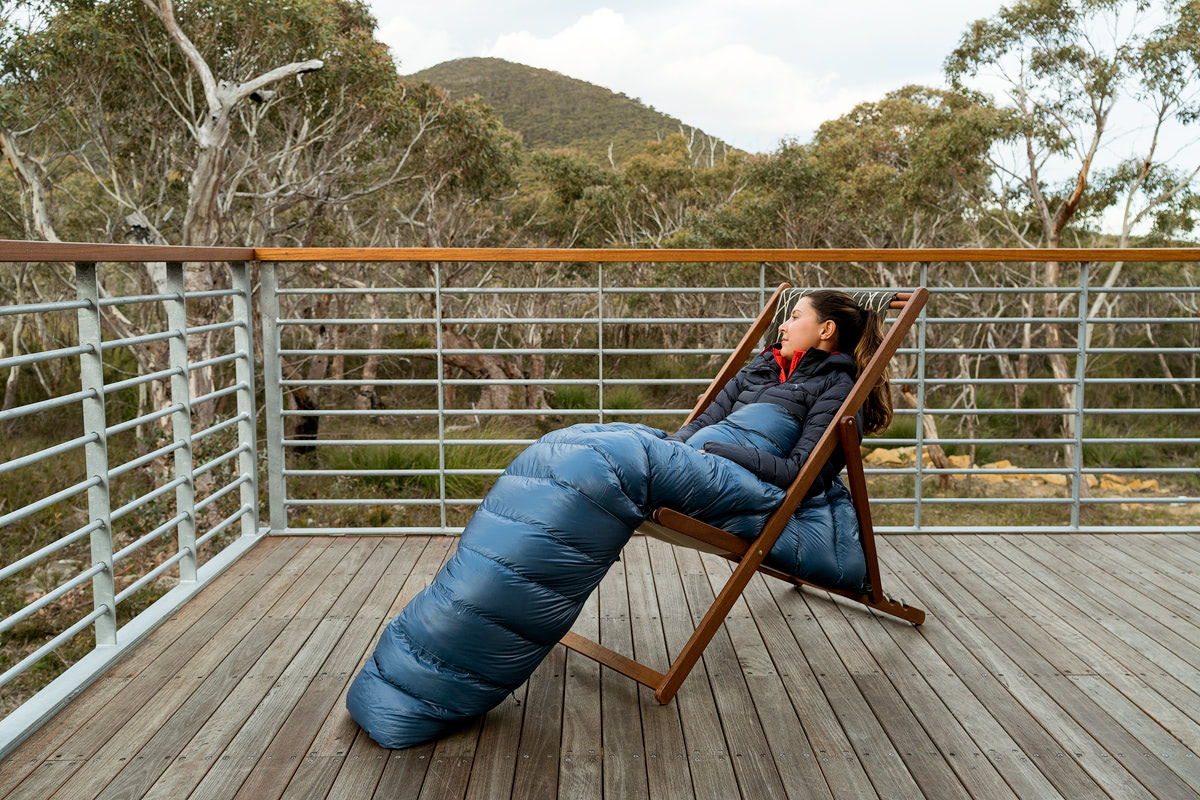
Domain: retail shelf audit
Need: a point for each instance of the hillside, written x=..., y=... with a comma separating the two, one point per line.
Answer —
x=551, y=110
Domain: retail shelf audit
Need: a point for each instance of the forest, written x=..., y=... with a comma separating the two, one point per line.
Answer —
x=286, y=123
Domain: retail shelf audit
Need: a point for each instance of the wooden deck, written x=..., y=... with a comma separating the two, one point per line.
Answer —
x=1050, y=666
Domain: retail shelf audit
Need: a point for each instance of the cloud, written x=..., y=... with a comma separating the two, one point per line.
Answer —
x=692, y=70
x=414, y=48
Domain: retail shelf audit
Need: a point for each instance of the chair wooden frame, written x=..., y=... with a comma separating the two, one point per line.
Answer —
x=749, y=555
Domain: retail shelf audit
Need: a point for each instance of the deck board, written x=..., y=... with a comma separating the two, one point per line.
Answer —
x=1049, y=666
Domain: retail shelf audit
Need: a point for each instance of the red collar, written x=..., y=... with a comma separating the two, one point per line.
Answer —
x=786, y=369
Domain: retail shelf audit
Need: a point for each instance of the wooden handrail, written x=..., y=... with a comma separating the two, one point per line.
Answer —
x=16, y=250
x=1189, y=254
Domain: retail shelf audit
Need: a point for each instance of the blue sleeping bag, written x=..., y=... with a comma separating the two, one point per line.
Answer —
x=543, y=539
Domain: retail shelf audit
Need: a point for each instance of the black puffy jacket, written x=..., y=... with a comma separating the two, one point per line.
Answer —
x=813, y=393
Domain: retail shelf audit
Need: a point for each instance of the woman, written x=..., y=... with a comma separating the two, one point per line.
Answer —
x=557, y=518
x=798, y=385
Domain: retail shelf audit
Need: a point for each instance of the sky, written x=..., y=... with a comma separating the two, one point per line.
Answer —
x=753, y=73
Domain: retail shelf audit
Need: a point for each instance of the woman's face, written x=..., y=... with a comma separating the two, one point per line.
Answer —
x=803, y=330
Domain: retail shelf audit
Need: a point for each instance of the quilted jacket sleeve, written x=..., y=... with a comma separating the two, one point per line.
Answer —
x=782, y=471
x=717, y=410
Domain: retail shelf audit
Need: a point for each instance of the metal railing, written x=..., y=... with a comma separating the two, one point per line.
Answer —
x=116, y=496
x=392, y=396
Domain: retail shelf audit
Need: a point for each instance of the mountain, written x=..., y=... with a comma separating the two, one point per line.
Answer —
x=551, y=110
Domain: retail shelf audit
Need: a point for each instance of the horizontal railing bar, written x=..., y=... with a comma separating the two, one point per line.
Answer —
x=53, y=547
x=138, y=380
x=56, y=642
x=213, y=362
x=387, y=501
x=511, y=351
x=1035, y=471
x=217, y=394
x=527, y=321
x=220, y=426
x=483, y=412
x=151, y=575
x=132, y=548
x=377, y=531
x=209, y=293
x=223, y=524
x=399, y=442
x=46, y=502
x=148, y=497
x=219, y=460
x=1001, y=320
x=166, y=449
x=1071, y=320
x=121, y=427
x=49, y=452
x=507, y=382
x=951, y=412
x=1086, y=440
x=40, y=308
x=136, y=298
x=215, y=496
x=216, y=326
x=46, y=405
x=386, y=473
x=1041, y=381
x=145, y=338
x=44, y=355
x=1046, y=529
x=48, y=598
x=1133, y=498
x=717, y=255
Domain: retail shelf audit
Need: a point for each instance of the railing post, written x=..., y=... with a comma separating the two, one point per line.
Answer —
x=243, y=342
x=181, y=421
x=273, y=397
x=1080, y=372
x=441, y=388
x=91, y=379
x=600, y=342
x=920, y=435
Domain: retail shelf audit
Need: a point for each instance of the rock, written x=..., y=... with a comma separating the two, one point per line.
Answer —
x=1112, y=486
x=1091, y=481
x=1150, y=485
x=1130, y=506
x=1113, y=478
x=960, y=462
x=166, y=582
x=883, y=456
x=1056, y=480
x=1005, y=464
x=64, y=569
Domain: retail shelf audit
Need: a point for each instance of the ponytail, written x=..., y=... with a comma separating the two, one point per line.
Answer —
x=877, y=410
x=860, y=332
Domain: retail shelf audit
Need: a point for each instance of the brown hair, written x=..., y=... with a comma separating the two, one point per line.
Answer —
x=860, y=332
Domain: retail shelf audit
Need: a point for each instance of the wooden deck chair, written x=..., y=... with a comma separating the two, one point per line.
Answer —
x=681, y=529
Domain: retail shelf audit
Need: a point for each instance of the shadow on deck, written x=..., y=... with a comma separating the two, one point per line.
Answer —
x=1050, y=666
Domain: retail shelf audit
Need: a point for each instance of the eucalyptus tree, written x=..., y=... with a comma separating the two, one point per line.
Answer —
x=1077, y=77
x=214, y=122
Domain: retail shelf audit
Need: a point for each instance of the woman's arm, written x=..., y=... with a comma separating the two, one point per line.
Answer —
x=717, y=410
x=782, y=471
